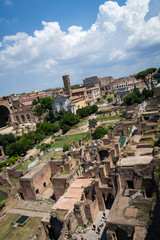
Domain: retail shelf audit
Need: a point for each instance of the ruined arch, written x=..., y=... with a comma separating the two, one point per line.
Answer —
x=4, y=116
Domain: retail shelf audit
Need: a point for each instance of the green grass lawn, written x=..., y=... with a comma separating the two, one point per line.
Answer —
x=24, y=166
x=103, y=117
x=8, y=232
x=81, y=123
x=116, y=117
x=71, y=138
x=2, y=199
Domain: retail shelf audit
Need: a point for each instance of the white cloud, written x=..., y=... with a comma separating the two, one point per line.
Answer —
x=8, y=2
x=120, y=37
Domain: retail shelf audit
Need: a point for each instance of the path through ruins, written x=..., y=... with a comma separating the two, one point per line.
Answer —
x=93, y=235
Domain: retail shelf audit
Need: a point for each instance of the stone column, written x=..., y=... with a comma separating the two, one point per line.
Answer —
x=99, y=196
x=79, y=213
x=112, y=152
x=117, y=148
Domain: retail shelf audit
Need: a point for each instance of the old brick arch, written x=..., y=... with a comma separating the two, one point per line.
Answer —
x=4, y=116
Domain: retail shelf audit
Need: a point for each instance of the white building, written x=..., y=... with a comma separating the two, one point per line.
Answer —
x=62, y=102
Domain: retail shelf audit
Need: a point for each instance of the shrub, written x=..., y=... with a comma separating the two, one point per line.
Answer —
x=69, y=119
x=2, y=206
x=65, y=148
x=157, y=143
x=115, y=160
x=94, y=108
x=65, y=129
x=111, y=128
x=44, y=146
x=99, y=132
x=9, y=161
x=86, y=111
x=123, y=115
x=110, y=99
x=92, y=123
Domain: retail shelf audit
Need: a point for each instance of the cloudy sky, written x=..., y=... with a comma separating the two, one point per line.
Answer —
x=40, y=40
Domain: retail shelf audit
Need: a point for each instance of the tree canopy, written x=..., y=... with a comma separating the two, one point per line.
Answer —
x=143, y=74
x=99, y=132
x=43, y=105
x=92, y=122
x=136, y=96
x=86, y=111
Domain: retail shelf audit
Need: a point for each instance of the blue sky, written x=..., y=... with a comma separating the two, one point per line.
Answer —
x=40, y=40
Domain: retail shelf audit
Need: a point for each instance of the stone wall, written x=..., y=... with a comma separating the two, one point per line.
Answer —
x=4, y=181
x=59, y=186
x=135, y=174
x=35, y=185
x=80, y=213
x=119, y=232
x=91, y=210
x=14, y=173
x=55, y=166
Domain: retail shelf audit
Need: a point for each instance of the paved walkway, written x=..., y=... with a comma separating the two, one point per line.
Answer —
x=29, y=213
x=6, y=130
x=93, y=235
x=40, y=206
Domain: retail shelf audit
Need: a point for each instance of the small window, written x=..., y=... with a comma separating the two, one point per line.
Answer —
x=130, y=184
x=37, y=191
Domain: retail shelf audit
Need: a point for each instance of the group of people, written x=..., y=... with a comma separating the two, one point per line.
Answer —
x=100, y=225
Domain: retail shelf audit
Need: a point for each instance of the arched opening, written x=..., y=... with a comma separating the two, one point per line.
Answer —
x=4, y=116
x=103, y=154
x=23, y=118
x=28, y=117
x=148, y=186
x=56, y=228
x=17, y=118
x=122, y=234
x=37, y=191
x=108, y=200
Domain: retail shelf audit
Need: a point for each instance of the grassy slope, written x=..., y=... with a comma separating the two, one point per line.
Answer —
x=71, y=138
x=8, y=232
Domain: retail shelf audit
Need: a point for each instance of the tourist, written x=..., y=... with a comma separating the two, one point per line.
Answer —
x=82, y=238
x=70, y=234
x=94, y=227
x=101, y=224
x=98, y=230
x=104, y=214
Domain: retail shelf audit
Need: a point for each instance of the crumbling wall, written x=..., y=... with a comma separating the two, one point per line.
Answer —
x=59, y=186
x=4, y=181
x=80, y=213
x=14, y=173
x=33, y=185
x=91, y=210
